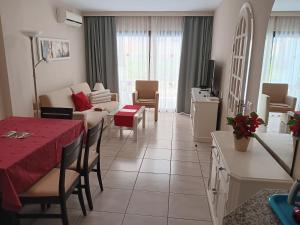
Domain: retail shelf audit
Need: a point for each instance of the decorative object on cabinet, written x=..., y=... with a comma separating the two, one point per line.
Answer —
x=53, y=49
x=204, y=113
x=294, y=125
x=234, y=177
x=244, y=127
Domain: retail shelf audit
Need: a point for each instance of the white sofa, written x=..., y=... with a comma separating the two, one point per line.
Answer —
x=63, y=98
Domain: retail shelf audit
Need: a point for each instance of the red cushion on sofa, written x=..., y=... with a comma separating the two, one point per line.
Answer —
x=81, y=101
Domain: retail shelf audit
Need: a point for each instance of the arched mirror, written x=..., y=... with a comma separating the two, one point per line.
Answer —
x=241, y=54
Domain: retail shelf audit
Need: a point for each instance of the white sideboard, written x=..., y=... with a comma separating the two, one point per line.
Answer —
x=236, y=176
x=204, y=113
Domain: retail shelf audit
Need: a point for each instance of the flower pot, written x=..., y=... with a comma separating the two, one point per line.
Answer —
x=241, y=144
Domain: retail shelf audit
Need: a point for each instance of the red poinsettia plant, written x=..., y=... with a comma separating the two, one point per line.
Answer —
x=244, y=125
x=294, y=125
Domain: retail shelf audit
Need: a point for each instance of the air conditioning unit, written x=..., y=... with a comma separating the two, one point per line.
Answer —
x=68, y=17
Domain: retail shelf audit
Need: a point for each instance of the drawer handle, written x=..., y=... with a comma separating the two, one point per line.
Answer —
x=222, y=168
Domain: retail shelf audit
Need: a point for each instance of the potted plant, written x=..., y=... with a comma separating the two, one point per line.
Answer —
x=244, y=127
x=294, y=124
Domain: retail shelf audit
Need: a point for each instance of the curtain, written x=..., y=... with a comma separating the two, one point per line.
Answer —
x=149, y=49
x=196, y=49
x=101, y=51
x=282, y=54
x=166, y=40
x=133, y=54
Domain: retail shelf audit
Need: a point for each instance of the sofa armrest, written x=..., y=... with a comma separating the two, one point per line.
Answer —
x=156, y=96
x=134, y=97
x=291, y=101
x=264, y=107
x=80, y=116
x=115, y=97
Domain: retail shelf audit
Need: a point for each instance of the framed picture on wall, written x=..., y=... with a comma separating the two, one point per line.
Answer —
x=53, y=49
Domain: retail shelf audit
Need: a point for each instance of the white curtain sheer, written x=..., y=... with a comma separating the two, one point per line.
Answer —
x=282, y=54
x=149, y=48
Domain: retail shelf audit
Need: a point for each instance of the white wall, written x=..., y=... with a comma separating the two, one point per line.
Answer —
x=18, y=15
x=225, y=20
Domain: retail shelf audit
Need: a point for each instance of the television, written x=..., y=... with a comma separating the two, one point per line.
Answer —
x=211, y=75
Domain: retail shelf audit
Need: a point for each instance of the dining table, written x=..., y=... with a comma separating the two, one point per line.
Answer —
x=23, y=161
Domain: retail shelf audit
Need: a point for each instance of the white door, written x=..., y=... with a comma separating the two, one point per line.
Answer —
x=242, y=45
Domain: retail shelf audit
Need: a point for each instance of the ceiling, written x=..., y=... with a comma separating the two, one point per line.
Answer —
x=286, y=5
x=143, y=5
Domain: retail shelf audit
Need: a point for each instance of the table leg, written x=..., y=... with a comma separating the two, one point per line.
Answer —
x=144, y=118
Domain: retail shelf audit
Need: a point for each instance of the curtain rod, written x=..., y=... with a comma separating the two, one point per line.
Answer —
x=149, y=13
x=285, y=13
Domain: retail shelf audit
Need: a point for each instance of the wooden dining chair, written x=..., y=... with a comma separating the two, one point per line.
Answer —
x=57, y=186
x=57, y=113
x=91, y=159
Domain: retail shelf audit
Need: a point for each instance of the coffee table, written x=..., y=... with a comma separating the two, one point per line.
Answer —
x=138, y=117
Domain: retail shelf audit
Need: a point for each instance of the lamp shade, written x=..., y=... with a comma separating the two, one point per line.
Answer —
x=31, y=33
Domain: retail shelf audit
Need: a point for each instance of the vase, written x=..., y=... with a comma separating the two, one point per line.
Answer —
x=241, y=144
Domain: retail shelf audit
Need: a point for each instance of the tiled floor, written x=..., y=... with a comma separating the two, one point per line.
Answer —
x=159, y=180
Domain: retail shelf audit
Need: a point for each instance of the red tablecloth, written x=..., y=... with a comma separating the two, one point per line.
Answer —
x=25, y=161
x=125, y=119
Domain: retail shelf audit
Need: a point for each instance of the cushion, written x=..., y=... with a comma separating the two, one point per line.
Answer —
x=84, y=87
x=108, y=106
x=279, y=107
x=100, y=96
x=146, y=102
x=81, y=102
x=58, y=98
x=48, y=185
x=98, y=86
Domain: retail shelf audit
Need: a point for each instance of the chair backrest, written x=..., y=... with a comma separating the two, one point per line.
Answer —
x=70, y=153
x=277, y=92
x=56, y=113
x=146, y=88
x=94, y=136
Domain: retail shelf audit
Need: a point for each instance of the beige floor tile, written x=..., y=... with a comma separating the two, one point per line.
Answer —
x=94, y=179
x=132, y=153
x=159, y=143
x=172, y=221
x=112, y=200
x=125, y=164
x=144, y=220
x=73, y=215
x=102, y=218
x=73, y=201
x=108, y=151
x=204, y=156
x=120, y=179
x=185, y=168
x=148, y=203
x=184, y=145
x=187, y=185
x=204, y=147
x=189, y=207
x=158, y=153
x=106, y=162
x=153, y=182
x=186, y=156
x=205, y=168
x=155, y=166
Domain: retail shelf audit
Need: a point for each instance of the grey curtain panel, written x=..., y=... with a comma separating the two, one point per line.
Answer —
x=195, y=53
x=101, y=51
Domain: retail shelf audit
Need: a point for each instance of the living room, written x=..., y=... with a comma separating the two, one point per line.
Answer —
x=150, y=97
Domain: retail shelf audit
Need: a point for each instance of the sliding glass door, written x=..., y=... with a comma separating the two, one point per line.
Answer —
x=149, y=48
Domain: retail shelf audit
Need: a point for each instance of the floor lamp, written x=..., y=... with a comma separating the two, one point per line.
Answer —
x=32, y=35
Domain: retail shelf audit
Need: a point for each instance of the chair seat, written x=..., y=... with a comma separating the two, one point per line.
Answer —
x=280, y=107
x=93, y=155
x=146, y=102
x=47, y=186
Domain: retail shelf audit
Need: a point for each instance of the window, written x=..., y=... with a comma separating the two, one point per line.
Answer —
x=149, y=48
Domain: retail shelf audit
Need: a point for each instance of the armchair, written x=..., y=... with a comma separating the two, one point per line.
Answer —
x=147, y=95
x=274, y=98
